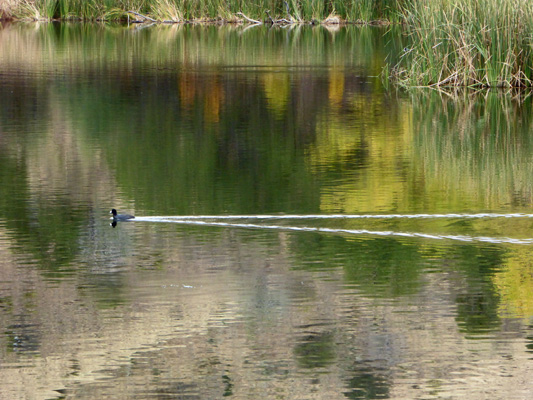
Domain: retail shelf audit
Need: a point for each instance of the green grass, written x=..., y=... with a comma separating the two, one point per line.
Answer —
x=481, y=43
x=179, y=10
x=38, y=10
x=72, y=9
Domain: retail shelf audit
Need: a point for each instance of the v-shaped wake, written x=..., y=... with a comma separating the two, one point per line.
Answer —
x=215, y=220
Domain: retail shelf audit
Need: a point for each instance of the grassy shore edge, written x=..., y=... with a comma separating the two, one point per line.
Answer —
x=453, y=43
x=182, y=11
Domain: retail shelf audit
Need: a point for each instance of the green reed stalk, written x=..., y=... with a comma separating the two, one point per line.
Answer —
x=483, y=43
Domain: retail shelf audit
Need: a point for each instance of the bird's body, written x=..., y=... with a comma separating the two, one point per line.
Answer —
x=120, y=217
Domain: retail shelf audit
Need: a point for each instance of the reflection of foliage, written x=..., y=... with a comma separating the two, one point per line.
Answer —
x=22, y=337
x=477, y=307
x=477, y=313
x=315, y=351
x=224, y=128
x=106, y=288
x=367, y=383
x=228, y=385
x=474, y=153
x=515, y=284
x=181, y=131
x=391, y=268
x=379, y=267
x=238, y=165
x=53, y=236
x=529, y=345
x=227, y=144
x=98, y=48
x=385, y=267
x=47, y=231
x=14, y=192
x=216, y=120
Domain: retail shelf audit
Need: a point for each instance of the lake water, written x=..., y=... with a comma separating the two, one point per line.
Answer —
x=424, y=292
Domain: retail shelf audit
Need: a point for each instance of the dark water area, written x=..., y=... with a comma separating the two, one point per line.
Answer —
x=418, y=285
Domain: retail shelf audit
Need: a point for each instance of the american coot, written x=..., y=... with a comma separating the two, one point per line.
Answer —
x=120, y=217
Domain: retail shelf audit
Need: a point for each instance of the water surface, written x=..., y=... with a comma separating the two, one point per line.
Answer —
x=173, y=121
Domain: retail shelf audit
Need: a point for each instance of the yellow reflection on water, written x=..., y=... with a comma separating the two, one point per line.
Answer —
x=277, y=91
x=336, y=87
x=373, y=148
x=514, y=284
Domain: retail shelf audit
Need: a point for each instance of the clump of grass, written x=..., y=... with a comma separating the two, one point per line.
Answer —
x=347, y=10
x=73, y=9
x=481, y=43
x=167, y=10
x=368, y=10
x=35, y=10
x=6, y=8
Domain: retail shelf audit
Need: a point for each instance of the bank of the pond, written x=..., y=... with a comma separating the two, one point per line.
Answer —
x=474, y=43
x=284, y=11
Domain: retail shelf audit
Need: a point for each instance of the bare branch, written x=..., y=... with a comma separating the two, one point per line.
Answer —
x=142, y=16
x=252, y=21
x=270, y=17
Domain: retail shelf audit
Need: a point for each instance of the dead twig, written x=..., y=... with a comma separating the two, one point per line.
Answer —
x=146, y=18
x=252, y=21
x=290, y=18
x=270, y=17
x=281, y=21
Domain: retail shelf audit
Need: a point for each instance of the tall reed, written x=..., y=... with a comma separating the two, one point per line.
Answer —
x=483, y=43
x=71, y=9
x=368, y=10
x=37, y=10
x=179, y=10
x=167, y=10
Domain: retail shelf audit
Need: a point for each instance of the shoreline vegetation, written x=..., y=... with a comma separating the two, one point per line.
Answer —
x=205, y=11
x=475, y=43
x=453, y=43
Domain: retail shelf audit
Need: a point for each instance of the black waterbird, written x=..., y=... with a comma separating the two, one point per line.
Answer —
x=120, y=217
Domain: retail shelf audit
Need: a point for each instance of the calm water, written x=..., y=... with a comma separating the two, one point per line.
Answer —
x=172, y=121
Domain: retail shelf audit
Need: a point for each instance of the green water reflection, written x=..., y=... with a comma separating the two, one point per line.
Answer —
x=189, y=120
